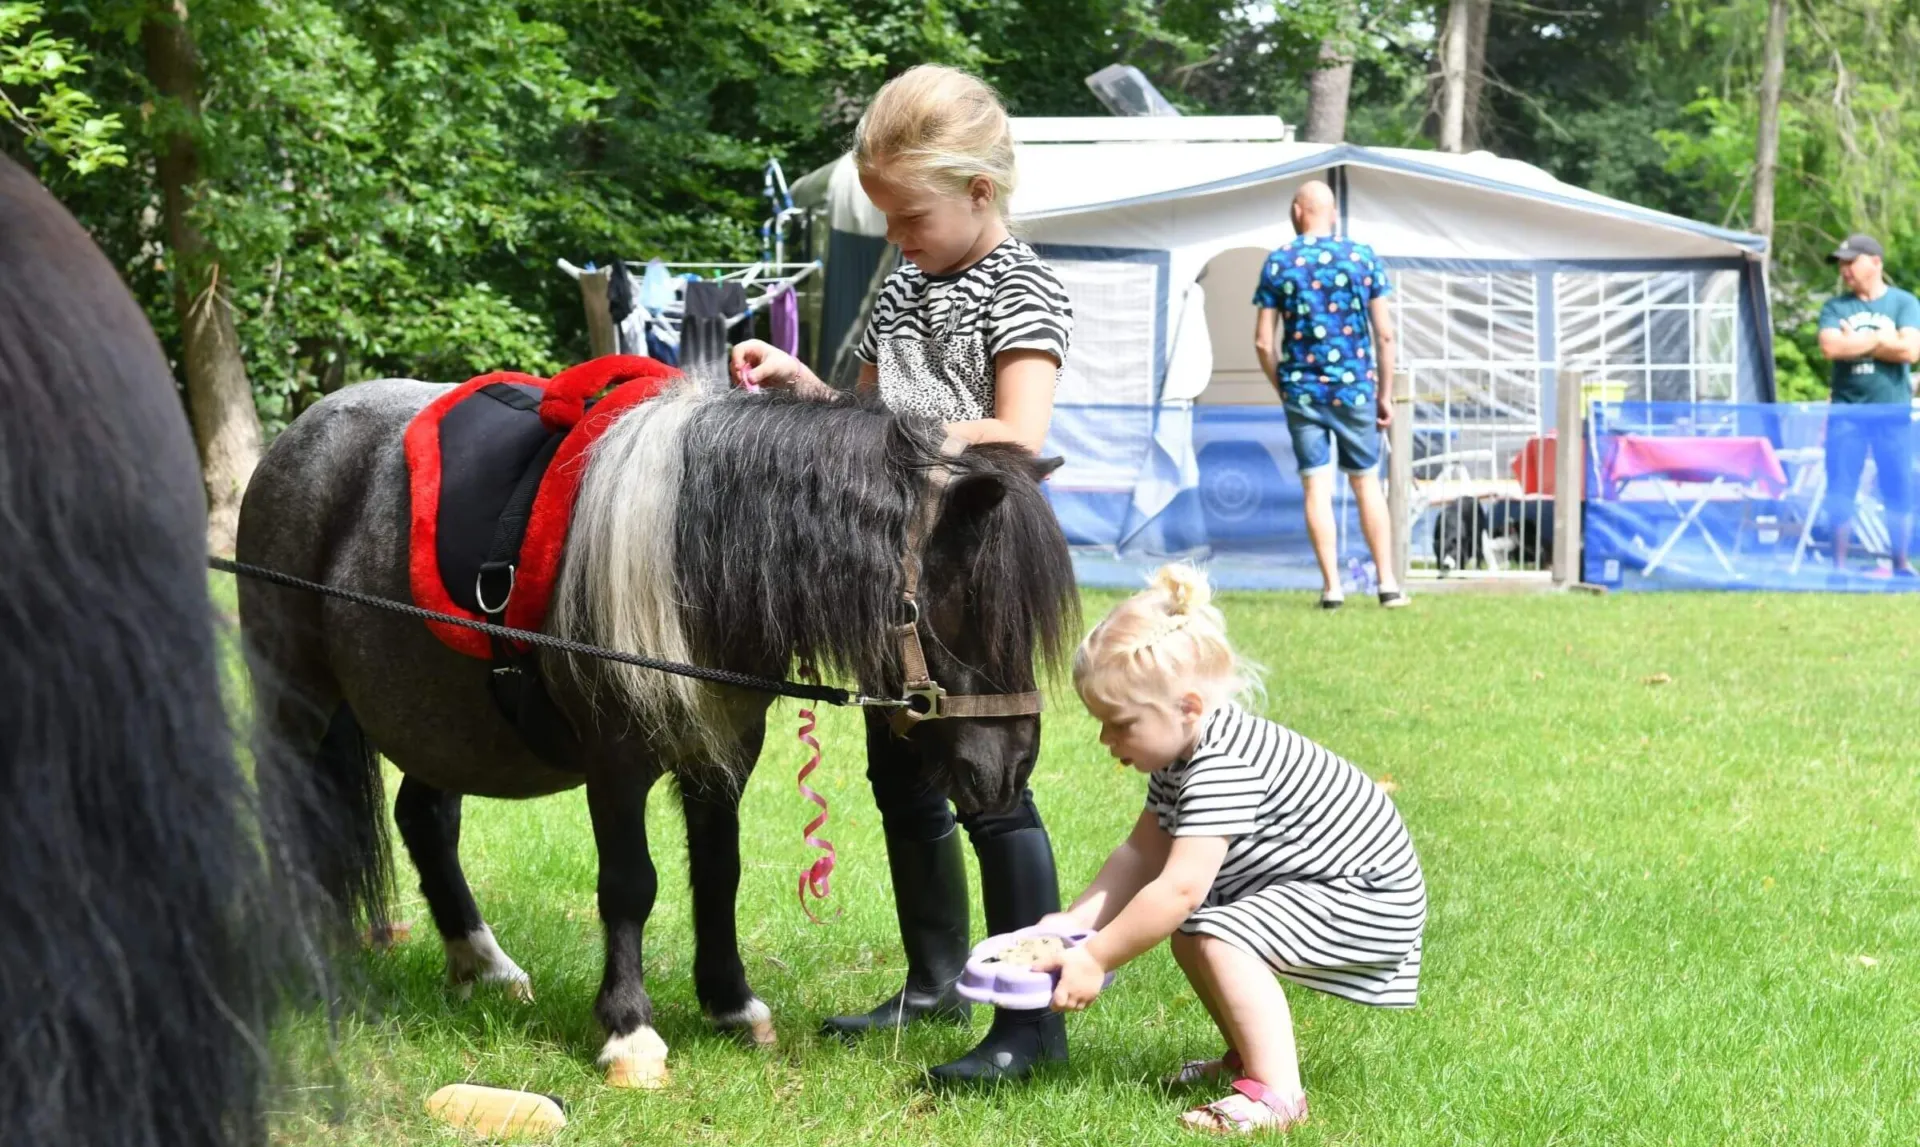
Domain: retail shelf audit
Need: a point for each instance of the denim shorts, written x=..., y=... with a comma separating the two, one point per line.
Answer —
x=1316, y=426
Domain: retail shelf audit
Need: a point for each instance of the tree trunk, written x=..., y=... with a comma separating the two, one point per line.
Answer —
x=1473, y=135
x=1767, y=148
x=1327, y=88
x=1453, y=74
x=219, y=398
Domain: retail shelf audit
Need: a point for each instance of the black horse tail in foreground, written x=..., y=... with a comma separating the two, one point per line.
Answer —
x=740, y=531
x=133, y=938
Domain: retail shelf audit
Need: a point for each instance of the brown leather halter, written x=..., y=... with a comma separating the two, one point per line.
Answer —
x=922, y=697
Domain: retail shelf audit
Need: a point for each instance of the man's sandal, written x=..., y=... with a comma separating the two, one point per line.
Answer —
x=1205, y=1070
x=1252, y=1107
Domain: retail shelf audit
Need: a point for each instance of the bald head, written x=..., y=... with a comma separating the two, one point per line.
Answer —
x=1313, y=208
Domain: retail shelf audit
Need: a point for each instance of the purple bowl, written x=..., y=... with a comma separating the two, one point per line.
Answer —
x=1019, y=989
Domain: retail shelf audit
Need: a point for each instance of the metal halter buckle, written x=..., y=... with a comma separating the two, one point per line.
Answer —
x=922, y=701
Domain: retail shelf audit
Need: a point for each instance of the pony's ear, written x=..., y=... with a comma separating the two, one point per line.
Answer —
x=1043, y=468
x=973, y=496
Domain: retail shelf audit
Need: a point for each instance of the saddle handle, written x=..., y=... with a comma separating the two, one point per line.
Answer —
x=565, y=400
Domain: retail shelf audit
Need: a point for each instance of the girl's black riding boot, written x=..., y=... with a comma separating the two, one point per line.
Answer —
x=1017, y=887
x=930, y=895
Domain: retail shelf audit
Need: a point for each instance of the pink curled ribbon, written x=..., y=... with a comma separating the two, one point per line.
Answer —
x=818, y=876
x=741, y=376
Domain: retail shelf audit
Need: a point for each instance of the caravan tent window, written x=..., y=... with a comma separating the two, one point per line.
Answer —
x=1112, y=368
x=1651, y=336
x=1113, y=356
x=1470, y=357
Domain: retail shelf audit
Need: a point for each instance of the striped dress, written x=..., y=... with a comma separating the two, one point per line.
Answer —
x=934, y=338
x=1320, y=879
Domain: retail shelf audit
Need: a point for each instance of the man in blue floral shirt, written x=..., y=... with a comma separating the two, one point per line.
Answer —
x=1325, y=298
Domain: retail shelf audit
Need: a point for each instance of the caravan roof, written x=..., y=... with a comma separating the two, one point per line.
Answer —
x=1082, y=166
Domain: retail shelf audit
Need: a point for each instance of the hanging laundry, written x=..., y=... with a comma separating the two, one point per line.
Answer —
x=656, y=287
x=621, y=295
x=690, y=320
x=703, y=328
x=784, y=314
x=663, y=343
x=630, y=317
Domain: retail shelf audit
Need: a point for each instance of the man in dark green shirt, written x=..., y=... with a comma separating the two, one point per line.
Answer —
x=1871, y=334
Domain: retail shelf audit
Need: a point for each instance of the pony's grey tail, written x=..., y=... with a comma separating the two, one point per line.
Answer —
x=340, y=827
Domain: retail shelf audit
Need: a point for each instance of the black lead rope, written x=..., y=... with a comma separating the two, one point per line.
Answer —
x=802, y=691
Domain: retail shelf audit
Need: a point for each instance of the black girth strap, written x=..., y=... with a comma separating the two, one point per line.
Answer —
x=495, y=584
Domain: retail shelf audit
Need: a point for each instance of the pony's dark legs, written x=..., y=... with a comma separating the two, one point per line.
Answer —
x=634, y=1054
x=713, y=861
x=429, y=823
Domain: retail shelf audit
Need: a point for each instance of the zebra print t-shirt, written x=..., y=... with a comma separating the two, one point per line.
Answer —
x=934, y=337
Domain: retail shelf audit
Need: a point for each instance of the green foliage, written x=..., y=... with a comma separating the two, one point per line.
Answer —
x=1800, y=372
x=37, y=101
x=1847, y=112
x=372, y=170
x=387, y=182
x=1260, y=55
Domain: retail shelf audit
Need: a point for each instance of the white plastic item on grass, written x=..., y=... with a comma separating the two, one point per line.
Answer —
x=497, y=1112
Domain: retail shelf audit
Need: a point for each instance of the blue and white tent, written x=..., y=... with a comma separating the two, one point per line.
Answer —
x=1504, y=277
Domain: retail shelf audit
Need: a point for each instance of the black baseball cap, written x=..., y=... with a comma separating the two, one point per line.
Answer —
x=1856, y=246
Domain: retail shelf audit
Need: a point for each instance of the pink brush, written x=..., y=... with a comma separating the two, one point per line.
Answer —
x=745, y=380
x=987, y=980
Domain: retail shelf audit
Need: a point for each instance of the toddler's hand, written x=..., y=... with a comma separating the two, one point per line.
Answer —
x=1081, y=978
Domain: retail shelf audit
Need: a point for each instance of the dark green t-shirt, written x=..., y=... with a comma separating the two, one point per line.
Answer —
x=1869, y=379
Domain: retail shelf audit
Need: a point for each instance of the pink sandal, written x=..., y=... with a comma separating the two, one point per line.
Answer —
x=1252, y=1107
x=1205, y=1070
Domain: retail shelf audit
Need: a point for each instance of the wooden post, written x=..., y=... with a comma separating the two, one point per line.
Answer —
x=1400, y=477
x=593, y=296
x=1569, y=473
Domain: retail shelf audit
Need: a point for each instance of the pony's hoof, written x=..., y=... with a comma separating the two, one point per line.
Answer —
x=753, y=1023
x=638, y=1072
x=477, y=959
x=637, y=1059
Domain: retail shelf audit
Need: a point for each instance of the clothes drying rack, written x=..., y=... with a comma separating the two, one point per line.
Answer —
x=763, y=280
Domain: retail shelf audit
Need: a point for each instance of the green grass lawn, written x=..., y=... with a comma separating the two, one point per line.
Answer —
x=1679, y=912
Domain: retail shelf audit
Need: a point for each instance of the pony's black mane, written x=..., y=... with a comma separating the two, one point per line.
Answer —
x=131, y=983
x=793, y=520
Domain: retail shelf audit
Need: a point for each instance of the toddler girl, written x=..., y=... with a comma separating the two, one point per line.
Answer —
x=1259, y=853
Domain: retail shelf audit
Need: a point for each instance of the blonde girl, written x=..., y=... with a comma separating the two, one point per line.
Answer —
x=972, y=330
x=1259, y=854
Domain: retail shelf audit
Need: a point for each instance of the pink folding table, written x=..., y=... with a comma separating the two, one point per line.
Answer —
x=1741, y=466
